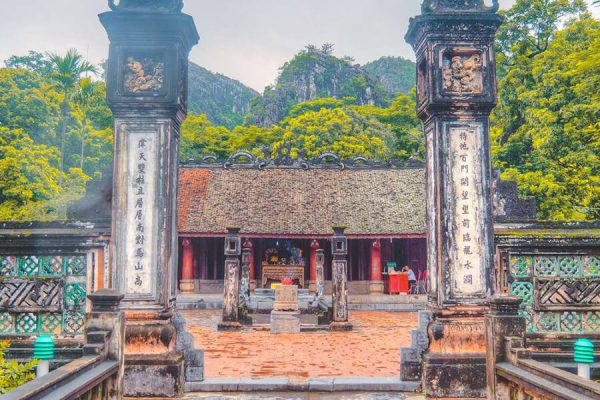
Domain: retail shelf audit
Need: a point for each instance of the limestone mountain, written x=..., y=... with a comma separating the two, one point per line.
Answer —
x=396, y=74
x=225, y=101
x=315, y=73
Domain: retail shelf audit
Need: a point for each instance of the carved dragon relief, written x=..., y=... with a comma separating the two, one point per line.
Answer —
x=462, y=74
x=144, y=74
x=172, y=6
x=434, y=6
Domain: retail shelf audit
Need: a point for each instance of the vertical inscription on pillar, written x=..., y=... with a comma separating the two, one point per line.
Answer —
x=469, y=256
x=340, y=308
x=140, y=233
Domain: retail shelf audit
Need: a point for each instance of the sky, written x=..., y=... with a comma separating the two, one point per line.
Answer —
x=247, y=40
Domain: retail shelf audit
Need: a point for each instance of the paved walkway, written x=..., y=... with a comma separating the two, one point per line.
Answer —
x=372, y=349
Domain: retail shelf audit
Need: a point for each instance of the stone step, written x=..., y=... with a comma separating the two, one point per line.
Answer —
x=358, y=384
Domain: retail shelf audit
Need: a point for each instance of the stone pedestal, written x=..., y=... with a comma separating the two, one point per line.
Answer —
x=286, y=298
x=285, y=321
x=312, y=286
x=376, y=287
x=456, y=91
x=187, y=286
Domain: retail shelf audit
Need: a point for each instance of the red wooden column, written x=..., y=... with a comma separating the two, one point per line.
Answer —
x=312, y=282
x=376, y=284
x=248, y=245
x=186, y=285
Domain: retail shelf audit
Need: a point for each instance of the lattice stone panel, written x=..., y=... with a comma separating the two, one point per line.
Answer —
x=42, y=294
x=8, y=266
x=561, y=293
x=523, y=290
x=521, y=266
x=21, y=295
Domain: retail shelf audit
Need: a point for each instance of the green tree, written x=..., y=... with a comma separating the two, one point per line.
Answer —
x=66, y=72
x=83, y=100
x=545, y=130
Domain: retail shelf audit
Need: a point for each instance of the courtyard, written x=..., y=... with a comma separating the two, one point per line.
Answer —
x=371, y=349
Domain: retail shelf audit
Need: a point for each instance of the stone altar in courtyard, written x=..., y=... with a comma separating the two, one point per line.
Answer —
x=147, y=93
x=285, y=317
x=456, y=91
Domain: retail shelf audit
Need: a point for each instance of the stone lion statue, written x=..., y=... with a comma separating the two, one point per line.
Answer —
x=151, y=5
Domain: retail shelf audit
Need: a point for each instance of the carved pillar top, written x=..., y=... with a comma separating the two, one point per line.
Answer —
x=377, y=244
x=166, y=6
x=186, y=243
x=314, y=245
x=445, y=6
x=502, y=304
x=247, y=244
x=105, y=300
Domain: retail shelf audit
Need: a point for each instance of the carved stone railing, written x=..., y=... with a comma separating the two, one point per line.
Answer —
x=96, y=375
x=42, y=294
x=560, y=292
x=518, y=367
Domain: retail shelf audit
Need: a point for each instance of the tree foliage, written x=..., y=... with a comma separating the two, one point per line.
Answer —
x=13, y=373
x=545, y=130
x=55, y=135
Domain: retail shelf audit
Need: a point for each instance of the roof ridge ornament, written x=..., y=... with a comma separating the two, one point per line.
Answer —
x=456, y=6
x=165, y=6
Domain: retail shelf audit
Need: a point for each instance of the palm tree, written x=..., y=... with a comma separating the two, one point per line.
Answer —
x=83, y=99
x=66, y=72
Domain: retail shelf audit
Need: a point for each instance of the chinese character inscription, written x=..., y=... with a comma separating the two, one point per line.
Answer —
x=140, y=212
x=466, y=168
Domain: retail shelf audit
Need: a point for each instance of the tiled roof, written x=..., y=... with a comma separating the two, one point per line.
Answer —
x=279, y=201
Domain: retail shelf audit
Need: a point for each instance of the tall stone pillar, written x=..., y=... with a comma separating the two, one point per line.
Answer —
x=456, y=91
x=186, y=285
x=376, y=283
x=312, y=282
x=320, y=273
x=339, y=267
x=147, y=93
x=248, y=245
x=245, y=277
x=231, y=299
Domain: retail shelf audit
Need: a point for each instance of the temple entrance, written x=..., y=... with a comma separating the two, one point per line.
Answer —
x=275, y=258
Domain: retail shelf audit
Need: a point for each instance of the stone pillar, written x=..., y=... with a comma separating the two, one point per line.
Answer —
x=312, y=283
x=503, y=322
x=105, y=316
x=186, y=285
x=456, y=91
x=245, y=278
x=376, y=283
x=146, y=83
x=339, y=249
x=248, y=245
x=232, y=281
x=320, y=272
x=147, y=93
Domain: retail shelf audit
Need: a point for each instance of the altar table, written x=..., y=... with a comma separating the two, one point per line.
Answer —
x=278, y=272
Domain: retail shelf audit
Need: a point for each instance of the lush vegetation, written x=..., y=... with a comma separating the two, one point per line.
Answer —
x=546, y=128
x=55, y=134
x=12, y=373
x=56, y=129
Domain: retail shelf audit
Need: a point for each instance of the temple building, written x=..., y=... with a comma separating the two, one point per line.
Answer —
x=285, y=214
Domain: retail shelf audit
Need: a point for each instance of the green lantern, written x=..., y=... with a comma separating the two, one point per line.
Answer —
x=43, y=349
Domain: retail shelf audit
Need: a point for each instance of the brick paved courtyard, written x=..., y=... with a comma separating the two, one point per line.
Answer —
x=371, y=350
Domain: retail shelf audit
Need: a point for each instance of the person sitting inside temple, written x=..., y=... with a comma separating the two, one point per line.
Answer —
x=412, y=279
